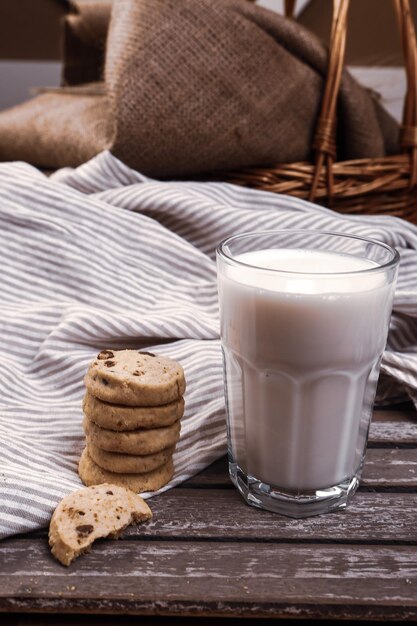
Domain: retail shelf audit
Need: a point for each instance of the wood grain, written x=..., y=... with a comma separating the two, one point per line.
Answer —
x=390, y=468
x=252, y=579
x=370, y=517
x=90, y=619
x=393, y=427
x=45, y=619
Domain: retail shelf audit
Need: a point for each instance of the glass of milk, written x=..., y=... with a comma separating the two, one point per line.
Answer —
x=304, y=321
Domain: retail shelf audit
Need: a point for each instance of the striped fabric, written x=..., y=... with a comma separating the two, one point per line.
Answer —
x=102, y=257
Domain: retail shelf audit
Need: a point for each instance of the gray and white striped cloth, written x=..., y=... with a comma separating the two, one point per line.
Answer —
x=103, y=257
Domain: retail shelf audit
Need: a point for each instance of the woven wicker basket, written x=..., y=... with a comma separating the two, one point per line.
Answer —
x=383, y=186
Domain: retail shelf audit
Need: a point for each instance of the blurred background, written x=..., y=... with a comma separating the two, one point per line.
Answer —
x=30, y=44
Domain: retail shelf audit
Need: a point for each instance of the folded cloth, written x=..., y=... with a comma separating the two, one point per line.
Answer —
x=102, y=256
x=191, y=87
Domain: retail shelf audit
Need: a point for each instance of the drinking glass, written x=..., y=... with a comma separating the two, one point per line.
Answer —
x=304, y=322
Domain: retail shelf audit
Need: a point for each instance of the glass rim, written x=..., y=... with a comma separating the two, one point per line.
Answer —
x=220, y=252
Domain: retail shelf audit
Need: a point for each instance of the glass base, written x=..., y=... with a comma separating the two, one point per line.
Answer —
x=292, y=503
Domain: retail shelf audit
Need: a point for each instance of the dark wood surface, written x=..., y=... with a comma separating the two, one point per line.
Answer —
x=206, y=555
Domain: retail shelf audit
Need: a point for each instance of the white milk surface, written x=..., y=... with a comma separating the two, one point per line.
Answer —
x=299, y=351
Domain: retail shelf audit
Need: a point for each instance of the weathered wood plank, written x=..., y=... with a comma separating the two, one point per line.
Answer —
x=393, y=427
x=45, y=619
x=387, y=468
x=218, y=578
x=222, y=514
x=390, y=468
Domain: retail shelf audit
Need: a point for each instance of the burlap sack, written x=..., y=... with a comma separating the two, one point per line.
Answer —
x=68, y=126
x=84, y=41
x=195, y=86
x=56, y=129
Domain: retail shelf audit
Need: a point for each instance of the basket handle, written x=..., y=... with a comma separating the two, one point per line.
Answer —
x=289, y=8
x=324, y=141
x=408, y=132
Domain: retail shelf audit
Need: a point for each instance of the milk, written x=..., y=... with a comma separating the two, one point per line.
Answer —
x=301, y=355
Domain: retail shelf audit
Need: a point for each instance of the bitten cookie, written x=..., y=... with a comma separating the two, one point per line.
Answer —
x=119, y=417
x=139, y=442
x=128, y=463
x=87, y=514
x=133, y=378
x=91, y=474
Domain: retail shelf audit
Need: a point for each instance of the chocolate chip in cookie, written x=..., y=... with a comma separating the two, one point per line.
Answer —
x=105, y=354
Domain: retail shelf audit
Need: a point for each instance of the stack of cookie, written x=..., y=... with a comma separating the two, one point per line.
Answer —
x=132, y=411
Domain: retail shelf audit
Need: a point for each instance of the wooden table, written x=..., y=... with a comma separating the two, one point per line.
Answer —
x=206, y=553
